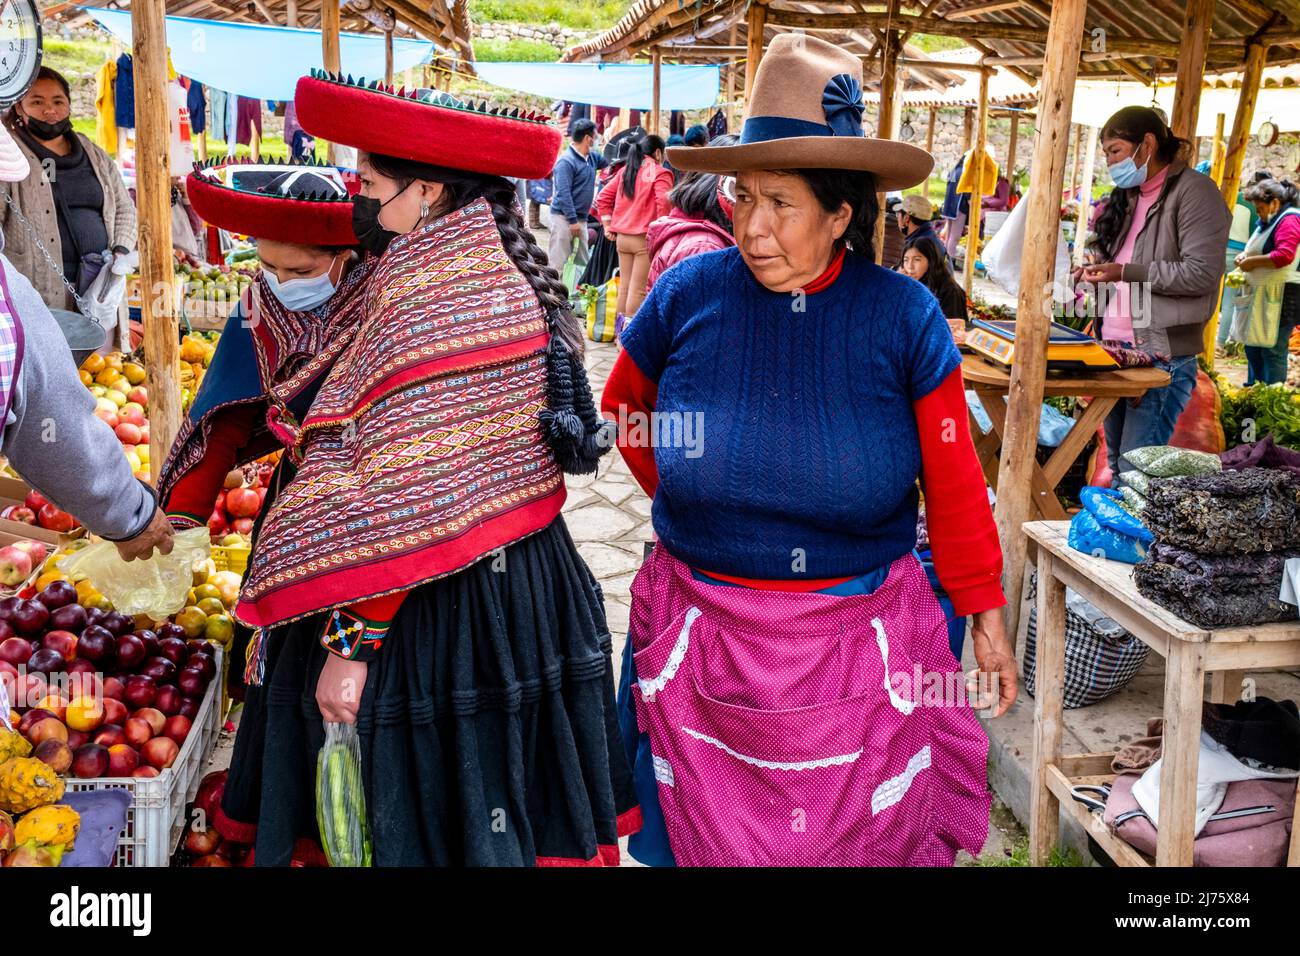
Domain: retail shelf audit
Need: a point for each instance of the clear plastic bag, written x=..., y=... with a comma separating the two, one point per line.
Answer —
x=340, y=800
x=156, y=586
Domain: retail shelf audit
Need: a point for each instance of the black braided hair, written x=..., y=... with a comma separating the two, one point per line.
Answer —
x=570, y=423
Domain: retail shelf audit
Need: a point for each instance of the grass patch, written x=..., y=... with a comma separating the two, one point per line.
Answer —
x=1019, y=856
x=515, y=50
x=72, y=57
x=934, y=44
x=589, y=15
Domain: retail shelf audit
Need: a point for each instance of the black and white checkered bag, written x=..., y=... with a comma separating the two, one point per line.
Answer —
x=1097, y=663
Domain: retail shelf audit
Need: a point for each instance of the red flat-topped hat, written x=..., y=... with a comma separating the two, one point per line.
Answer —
x=300, y=202
x=427, y=127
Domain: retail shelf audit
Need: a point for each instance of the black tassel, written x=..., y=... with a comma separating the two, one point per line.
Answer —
x=573, y=428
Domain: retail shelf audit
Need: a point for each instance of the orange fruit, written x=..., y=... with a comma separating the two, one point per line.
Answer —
x=191, y=621
x=86, y=378
x=219, y=628
x=212, y=606
x=134, y=373
x=94, y=364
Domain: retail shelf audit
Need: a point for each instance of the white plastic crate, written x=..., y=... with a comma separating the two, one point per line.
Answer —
x=155, y=820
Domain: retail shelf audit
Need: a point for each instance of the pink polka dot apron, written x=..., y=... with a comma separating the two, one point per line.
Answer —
x=806, y=729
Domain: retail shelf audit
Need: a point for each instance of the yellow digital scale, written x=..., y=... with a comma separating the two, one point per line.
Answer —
x=995, y=341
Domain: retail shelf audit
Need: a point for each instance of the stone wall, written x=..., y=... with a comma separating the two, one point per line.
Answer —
x=552, y=34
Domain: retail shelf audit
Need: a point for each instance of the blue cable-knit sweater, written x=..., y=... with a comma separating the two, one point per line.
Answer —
x=786, y=441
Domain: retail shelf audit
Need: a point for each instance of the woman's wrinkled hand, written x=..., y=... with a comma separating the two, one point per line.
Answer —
x=995, y=681
x=338, y=691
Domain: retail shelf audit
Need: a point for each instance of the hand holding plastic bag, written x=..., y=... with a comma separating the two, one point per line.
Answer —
x=155, y=586
x=340, y=801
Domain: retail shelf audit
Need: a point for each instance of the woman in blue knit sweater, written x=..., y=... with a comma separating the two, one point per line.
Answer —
x=795, y=694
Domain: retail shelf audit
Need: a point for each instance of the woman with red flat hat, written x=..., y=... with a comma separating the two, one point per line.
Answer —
x=273, y=354
x=415, y=578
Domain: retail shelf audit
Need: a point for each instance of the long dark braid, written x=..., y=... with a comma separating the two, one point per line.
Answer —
x=573, y=428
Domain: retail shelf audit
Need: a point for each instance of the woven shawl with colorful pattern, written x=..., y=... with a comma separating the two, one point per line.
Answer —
x=423, y=450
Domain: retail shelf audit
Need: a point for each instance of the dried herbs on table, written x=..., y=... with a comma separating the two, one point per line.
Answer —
x=1219, y=590
x=1243, y=511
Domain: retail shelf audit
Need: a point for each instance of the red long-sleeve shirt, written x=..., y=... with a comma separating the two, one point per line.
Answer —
x=963, y=537
x=649, y=200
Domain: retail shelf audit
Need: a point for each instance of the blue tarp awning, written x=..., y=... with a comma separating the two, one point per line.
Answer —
x=263, y=62
x=609, y=84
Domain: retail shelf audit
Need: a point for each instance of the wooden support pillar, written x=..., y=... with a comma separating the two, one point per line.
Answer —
x=291, y=13
x=967, y=129
x=755, y=21
x=154, y=216
x=1013, y=144
x=1235, y=154
x=977, y=196
x=887, y=120
x=1034, y=308
x=732, y=114
x=388, y=57
x=929, y=141
x=329, y=41
x=1085, y=193
x=1076, y=164
x=1216, y=150
x=1191, y=68
x=656, y=68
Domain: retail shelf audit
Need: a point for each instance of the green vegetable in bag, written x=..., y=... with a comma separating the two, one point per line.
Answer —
x=1167, y=461
x=340, y=800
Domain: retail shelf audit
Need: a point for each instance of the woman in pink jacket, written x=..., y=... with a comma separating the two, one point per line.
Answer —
x=627, y=205
x=700, y=222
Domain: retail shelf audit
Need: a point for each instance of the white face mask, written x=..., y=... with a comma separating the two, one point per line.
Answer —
x=303, y=295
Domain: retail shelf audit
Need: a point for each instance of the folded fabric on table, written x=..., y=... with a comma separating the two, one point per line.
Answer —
x=1265, y=453
x=1233, y=511
x=1262, y=729
x=1214, y=590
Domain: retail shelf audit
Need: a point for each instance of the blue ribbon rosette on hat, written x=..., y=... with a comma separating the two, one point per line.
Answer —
x=842, y=103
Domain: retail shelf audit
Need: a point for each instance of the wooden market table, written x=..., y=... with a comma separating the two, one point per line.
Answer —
x=992, y=383
x=1189, y=652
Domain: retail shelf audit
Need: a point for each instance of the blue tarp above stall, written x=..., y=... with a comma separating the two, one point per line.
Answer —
x=609, y=84
x=262, y=62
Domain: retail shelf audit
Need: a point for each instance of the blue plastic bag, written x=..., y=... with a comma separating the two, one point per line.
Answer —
x=1105, y=529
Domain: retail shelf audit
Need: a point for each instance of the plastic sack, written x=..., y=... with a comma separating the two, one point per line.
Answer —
x=156, y=586
x=1166, y=461
x=1105, y=529
x=1137, y=480
x=1001, y=256
x=104, y=295
x=340, y=801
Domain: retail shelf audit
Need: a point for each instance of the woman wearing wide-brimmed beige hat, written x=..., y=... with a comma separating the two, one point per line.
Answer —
x=778, y=629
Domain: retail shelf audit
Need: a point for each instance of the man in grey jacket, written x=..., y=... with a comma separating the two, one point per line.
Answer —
x=51, y=435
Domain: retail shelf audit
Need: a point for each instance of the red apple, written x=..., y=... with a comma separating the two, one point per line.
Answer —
x=242, y=526
x=127, y=433
x=16, y=650
x=169, y=700
x=15, y=566
x=52, y=519
x=160, y=669
x=177, y=728
x=72, y=618
x=90, y=760
x=46, y=661
x=242, y=502
x=96, y=644
x=122, y=760
x=117, y=623
x=154, y=717
x=109, y=735
x=192, y=682
x=57, y=754
x=145, y=771
x=58, y=594
x=202, y=842
x=138, y=731
x=217, y=525
x=131, y=414
x=77, y=738
x=130, y=649
x=35, y=500
x=25, y=515
x=190, y=707
x=64, y=642
x=160, y=752
x=139, y=395
x=173, y=648
x=113, y=688
x=115, y=711
x=211, y=859
x=31, y=618
x=141, y=691
x=204, y=663
x=31, y=717
x=51, y=728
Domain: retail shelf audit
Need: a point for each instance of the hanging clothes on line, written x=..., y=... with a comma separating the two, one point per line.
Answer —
x=106, y=108
x=717, y=125
x=124, y=92
x=197, y=103
x=248, y=118
x=217, y=100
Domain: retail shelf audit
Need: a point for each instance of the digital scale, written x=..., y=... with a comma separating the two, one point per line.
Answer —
x=995, y=341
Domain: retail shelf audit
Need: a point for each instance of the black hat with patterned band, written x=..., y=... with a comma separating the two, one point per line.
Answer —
x=427, y=127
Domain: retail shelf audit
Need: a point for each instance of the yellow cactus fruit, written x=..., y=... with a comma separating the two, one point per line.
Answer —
x=13, y=744
x=54, y=825
x=27, y=783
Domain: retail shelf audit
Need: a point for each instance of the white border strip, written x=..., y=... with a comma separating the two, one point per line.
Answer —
x=776, y=764
x=650, y=687
x=894, y=789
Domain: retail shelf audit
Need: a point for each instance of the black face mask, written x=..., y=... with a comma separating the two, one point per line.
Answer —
x=365, y=222
x=43, y=130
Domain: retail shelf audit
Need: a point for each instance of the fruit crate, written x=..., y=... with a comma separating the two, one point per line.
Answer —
x=231, y=557
x=155, y=821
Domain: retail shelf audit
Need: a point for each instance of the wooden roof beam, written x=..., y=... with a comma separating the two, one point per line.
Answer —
x=380, y=17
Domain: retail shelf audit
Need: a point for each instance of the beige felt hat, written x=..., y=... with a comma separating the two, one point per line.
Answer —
x=13, y=162
x=806, y=113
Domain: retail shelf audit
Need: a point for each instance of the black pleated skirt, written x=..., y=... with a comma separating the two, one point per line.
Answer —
x=487, y=724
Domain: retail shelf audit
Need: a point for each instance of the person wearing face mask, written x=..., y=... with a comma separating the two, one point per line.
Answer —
x=74, y=201
x=1158, y=253
x=1268, y=308
x=430, y=481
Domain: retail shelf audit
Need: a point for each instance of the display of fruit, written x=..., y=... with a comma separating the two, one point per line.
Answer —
x=52, y=825
x=239, y=502
x=27, y=783
x=121, y=400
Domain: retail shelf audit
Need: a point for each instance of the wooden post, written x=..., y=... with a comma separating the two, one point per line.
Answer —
x=929, y=142
x=887, y=120
x=1077, y=162
x=388, y=57
x=1013, y=143
x=1034, y=309
x=733, y=115
x=1216, y=150
x=1235, y=154
x=291, y=13
x=329, y=41
x=154, y=217
x=755, y=20
x=1191, y=68
x=967, y=129
x=656, y=68
x=977, y=196
x=1085, y=193
x=255, y=140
